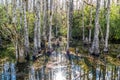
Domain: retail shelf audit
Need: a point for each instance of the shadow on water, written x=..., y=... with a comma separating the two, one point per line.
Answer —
x=59, y=66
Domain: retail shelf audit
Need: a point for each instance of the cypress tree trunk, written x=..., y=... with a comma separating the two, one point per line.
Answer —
x=50, y=27
x=33, y=6
x=95, y=44
x=26, y=5
x=37, y=32
x=47, y=20
x=69, y=21
x=68, y=24
x=101, y=32
x=21, y=12
x=39, y=25
x=14, y=24
x=44, y=19
x=26, y=33
x=90, y=25
x=14, y=12
x=35, y=24
x=83, y=29
x=35, y=35
x=21, y=55
x=71, y=18
x=107, y=28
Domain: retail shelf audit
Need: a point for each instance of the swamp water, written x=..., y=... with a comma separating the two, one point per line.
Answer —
x=60, y=67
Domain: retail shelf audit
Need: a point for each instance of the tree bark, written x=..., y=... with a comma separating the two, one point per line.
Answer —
x=37, y=32
x=45, y=19
x=33, y=8
x=107, y=28
x=26, y=5
x=50, y=27
x=95, y=44
x=26, y=33
x=83, y=22
x=39, y=24
x=21, y=55
x=21, y=13
x=68, y=24
x=71, y=18
x=14, y=11
x=35, y=35
x=14, y=24
x=101, y=32
x=90, y=23
x=69, y=21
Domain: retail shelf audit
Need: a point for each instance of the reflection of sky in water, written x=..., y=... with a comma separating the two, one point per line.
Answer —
x=59, y=76
x=8, y=72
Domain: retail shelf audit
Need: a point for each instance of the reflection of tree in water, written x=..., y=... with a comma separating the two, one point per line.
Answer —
x=96, y=69
x=59, y=67
x=80, y=68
